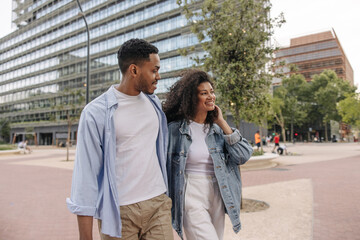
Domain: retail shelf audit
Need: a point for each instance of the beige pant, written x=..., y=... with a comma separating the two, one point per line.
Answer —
x=204, y=216
x=146, y=220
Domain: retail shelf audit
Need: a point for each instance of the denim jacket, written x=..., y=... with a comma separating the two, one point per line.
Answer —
x=93, y=190
x=227, y=152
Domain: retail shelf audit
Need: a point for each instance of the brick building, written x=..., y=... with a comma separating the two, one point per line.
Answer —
x=314, y=53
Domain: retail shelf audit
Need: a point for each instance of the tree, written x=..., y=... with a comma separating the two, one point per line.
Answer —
x=235, y=35
x=349, y=109
x=29, y=134
x=259, y=114
x=288, y=104
x=72, y=107
x=4, y=130
x=276, y=110
x=327, y=90
x=296, y=104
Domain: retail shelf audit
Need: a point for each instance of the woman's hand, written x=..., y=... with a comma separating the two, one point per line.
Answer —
x=221, y=121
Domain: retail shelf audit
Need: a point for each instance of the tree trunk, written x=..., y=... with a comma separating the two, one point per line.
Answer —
x=326, y=133
x=292, y=129
x=261, y=143
x=237, y=124
x=68, y=138
x=283, y=133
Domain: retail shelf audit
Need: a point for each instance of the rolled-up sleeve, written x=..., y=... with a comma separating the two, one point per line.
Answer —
x=88, y=167
x=238, y=147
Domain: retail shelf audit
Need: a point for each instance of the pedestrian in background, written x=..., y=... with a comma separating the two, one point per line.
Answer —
x=257, y=139
x=276, y=141
x=120, y=168
x=268, y=140
x=204, y=155
x=23, y=145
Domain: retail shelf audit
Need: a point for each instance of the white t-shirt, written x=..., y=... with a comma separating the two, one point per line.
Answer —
x=199, y=160
x=283, y=146
x=138, y=173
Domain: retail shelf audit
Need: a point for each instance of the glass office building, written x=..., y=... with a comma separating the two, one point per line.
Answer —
x=46, y=56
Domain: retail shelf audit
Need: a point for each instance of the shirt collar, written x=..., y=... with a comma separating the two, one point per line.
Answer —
x=111, y=97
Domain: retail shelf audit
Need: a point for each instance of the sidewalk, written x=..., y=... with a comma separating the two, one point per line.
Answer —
x=313, y=195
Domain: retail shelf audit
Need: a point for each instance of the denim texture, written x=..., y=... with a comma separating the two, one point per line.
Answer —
x=227, y=153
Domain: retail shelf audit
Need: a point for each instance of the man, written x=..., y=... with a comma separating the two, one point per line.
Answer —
x=257, y=139
x=120, y=168
x=23, y=145
x=281, y=149
x=276, y=141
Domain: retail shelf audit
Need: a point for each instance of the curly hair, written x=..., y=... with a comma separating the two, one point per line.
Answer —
x=134, y=51
x=182, y=99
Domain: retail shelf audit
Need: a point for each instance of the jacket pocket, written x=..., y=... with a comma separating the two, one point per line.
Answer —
x=175, y=158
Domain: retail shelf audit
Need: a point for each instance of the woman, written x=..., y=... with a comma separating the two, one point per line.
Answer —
x=203, y=157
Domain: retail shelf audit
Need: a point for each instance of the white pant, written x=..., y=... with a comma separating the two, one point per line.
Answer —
x=204, y=215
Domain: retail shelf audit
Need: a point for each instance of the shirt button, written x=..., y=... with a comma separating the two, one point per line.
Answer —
x=180, y=172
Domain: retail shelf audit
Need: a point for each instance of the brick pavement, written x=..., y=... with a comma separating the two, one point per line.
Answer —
x=32, y=202
x=32, y=198
x=336, y=194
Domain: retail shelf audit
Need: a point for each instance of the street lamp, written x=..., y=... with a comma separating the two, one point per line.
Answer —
x=81, y=13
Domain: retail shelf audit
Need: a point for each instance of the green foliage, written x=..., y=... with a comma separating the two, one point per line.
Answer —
x=5, y=130
x=72, y=106
x=324, y=93
x=257, y=153
x=29, y=133
x=235, y=35
x=7, y=147
x=328, y=89
x=349, y=109
x=294, y=95
x=288, y=104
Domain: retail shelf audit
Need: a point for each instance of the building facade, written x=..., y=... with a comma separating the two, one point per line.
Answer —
x=43, y=62
x=314, y=53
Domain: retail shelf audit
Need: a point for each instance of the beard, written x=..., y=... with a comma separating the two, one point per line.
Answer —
x=144, y=86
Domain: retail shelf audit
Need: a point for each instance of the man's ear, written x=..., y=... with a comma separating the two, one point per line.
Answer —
x=134, y=70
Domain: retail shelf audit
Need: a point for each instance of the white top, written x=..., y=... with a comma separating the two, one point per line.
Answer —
x=21, y=144
x=283, y=146
x=199, y=160
x=138, y=173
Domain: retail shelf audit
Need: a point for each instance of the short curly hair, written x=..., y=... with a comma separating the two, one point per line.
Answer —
x=182, y=99
x=134, y=51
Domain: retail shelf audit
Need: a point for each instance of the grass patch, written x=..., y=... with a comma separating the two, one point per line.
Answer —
x=258, y=153
x=7, y=147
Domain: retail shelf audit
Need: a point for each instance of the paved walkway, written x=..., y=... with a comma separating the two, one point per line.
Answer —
x=312, y=195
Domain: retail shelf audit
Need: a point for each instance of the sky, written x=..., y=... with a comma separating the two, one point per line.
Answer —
x=311, y=16
x=302, y=18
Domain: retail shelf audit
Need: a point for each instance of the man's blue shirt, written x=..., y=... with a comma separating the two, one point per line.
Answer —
x=93, y=191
